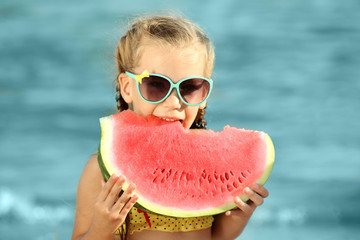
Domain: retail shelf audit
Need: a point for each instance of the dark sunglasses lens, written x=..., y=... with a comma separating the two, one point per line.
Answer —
x=154, y=88
x=195, y=90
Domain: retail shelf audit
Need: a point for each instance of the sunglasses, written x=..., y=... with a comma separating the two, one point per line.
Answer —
x=155, y=88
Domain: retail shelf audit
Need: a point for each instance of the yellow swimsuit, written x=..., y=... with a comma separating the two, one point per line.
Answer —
x=140, y=220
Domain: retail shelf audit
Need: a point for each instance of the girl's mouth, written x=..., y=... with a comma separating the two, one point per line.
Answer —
x=171, y=119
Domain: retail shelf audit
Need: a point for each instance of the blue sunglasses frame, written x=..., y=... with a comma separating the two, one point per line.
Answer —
x=172, y=86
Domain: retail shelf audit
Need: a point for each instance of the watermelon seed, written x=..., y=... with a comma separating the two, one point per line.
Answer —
x=182, y=176
x=232, y=174
x=227, y=176
x=239, y=179
x=154, y=180
x=209, y=178
x=162, y=170
x=167, y=175
x=216, y=176
x=235, y=184
x=175, y=175
x=203, y=175
x=222, y=178
x=229, y=187
x=243, y=174
x=248, y=171
x=163, y=180
x=189, y=177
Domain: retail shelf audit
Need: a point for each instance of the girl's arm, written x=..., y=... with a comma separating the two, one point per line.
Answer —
x=99, y=210
x=229, y=225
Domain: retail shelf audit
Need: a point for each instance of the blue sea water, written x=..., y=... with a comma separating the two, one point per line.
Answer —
x=289, y=68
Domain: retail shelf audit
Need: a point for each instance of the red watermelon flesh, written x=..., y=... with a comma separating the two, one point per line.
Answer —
x=182, y=172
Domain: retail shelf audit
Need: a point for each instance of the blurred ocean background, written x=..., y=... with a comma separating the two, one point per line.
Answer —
x=289, y=68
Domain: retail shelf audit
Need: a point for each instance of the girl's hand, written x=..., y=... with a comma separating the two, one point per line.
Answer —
x=111, y=210
x=256, y=194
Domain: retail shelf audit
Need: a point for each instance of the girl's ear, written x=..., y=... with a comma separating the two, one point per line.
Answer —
x=125, y=87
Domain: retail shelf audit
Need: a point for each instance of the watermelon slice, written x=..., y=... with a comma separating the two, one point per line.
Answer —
x=183, y=173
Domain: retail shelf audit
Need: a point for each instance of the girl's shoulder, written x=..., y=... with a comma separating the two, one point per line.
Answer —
x=92, y=164
x=88, y=189
x=91, y=175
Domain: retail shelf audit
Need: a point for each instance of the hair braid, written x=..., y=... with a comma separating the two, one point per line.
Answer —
x=200, y=122
x=120, y=102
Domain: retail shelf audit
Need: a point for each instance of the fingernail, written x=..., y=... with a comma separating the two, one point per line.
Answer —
x=247, y=190
x=133, y=193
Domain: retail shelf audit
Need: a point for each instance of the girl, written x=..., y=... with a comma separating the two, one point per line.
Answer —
x=175, y=49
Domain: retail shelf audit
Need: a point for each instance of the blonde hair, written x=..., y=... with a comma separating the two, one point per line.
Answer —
x=165, y=30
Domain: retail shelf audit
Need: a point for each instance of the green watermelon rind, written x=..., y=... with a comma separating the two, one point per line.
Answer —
x=270, y=160
x=104, y=172
x=106, y=175
x=107, y=169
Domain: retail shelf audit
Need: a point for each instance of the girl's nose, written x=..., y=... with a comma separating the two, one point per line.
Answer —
x=173, y=100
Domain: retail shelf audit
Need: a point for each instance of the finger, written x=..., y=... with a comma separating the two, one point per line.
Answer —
x=228, y=213
x=262, y=191
x=115, y=191
x=120, y=215
x=129, y=204
x=102, y=182
x=242, y=205
x=107, y=187
x=125, y=197
x=253, y=196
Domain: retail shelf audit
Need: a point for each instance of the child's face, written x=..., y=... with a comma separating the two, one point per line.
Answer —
x=176, y=64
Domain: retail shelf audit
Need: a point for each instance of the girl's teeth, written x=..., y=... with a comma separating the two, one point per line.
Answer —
x=169, y=120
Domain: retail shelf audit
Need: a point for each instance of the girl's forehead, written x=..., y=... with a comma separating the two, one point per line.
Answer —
x=191, y=50
x=173, y=62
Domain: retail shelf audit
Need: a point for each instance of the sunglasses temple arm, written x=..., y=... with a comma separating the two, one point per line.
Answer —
x=130, y=75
